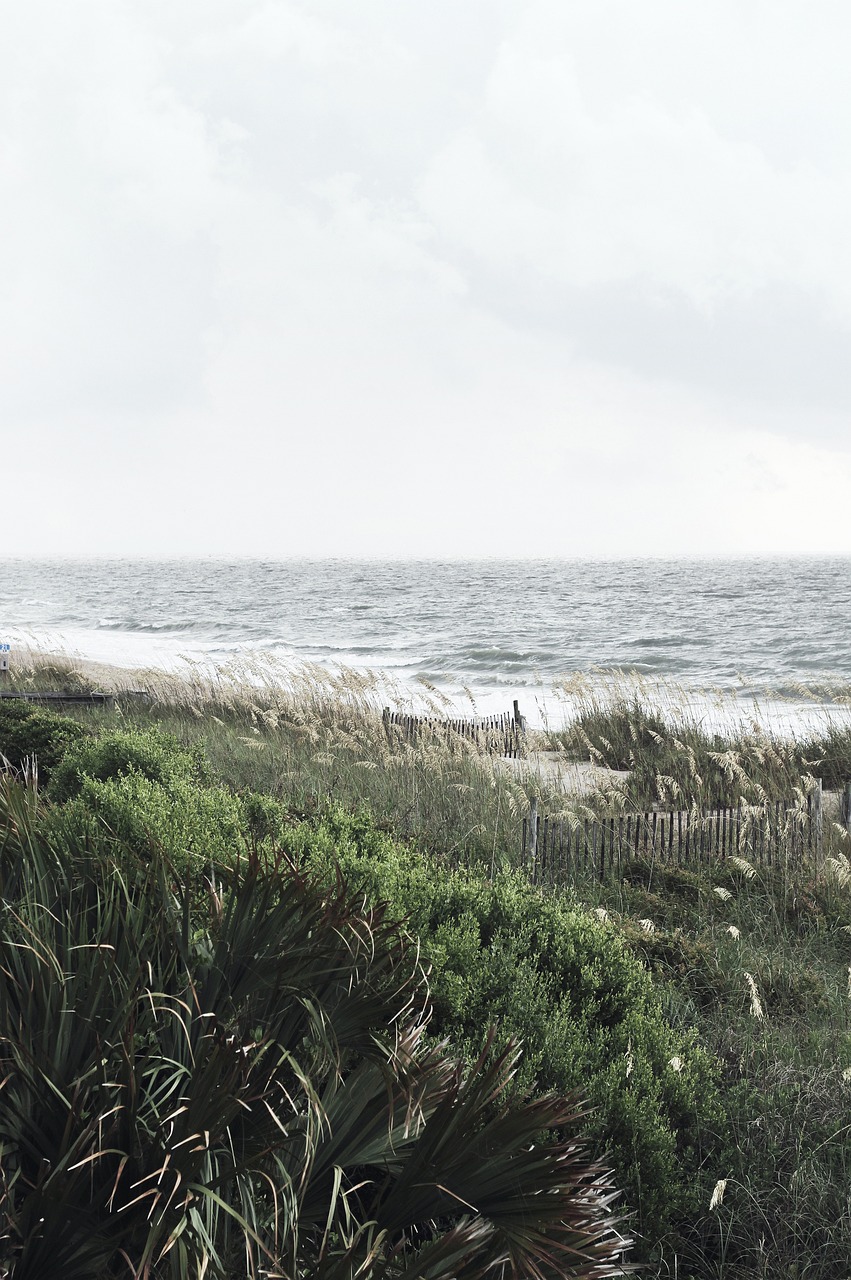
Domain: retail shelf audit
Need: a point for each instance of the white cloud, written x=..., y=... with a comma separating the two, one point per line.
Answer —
x=591, y=163
x=527, y=278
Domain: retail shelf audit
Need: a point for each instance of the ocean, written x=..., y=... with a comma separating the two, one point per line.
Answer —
x=495, y=628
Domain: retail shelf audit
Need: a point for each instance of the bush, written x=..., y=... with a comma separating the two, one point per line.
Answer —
x=185, y=822
x=230, y=1086
x=565, y=983
x=149, y=753
x=26, y=731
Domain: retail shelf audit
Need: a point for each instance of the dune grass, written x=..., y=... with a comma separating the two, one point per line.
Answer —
x=757, y=963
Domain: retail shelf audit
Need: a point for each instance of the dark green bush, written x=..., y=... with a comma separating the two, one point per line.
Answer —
x=147, y=753
x=265, y=817
x=676, y=763
x=828, y=756
x=187, y=823
x=562, y=981
x=616, y=734
x=28, y=731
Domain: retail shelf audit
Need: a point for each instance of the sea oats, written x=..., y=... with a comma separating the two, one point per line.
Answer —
x=840, y=866
x=718, y=1193
x=756, y=1004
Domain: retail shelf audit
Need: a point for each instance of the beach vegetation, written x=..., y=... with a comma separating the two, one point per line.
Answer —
x=31, y=735
x=736, y=970
x=220, y=1078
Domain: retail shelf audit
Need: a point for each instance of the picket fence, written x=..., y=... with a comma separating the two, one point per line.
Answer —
x=502, y=734
x=560, y=850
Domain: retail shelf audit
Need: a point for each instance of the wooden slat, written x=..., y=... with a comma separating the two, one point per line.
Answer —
x=80, y=699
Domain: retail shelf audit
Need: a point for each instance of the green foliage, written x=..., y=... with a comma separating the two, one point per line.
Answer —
x=147, y=790
x=236, y=1083
x=265, y=818
x=615, y=733
x=118, y=753
x=565, y=983
x=783, y=1140
x=27, y=731
x=186, y=822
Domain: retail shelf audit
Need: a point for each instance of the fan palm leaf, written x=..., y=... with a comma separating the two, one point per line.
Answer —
x=190, y=1089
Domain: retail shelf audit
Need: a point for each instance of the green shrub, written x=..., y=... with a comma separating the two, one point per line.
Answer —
x=148, y=753
x=674, y=762
x=186, y=822
x=248, y=1091
x=26, y=731
x=565, y=983
x=615, y=734
x=265, y=818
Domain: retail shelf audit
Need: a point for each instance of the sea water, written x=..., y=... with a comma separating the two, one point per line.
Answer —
x=497, y=629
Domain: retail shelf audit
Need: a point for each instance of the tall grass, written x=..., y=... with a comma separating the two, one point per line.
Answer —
x=675, y=760
x=308, y=735
x=757, y=961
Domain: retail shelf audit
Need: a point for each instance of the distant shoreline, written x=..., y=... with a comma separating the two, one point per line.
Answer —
x=543, y=708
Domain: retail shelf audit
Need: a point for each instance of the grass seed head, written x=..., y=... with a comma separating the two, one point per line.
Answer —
x=718, y=1193
x=756, y=1004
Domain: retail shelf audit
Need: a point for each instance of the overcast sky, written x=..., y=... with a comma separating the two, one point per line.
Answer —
x=463, y=277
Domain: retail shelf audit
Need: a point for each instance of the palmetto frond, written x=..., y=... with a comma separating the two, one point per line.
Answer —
x=246, y=1091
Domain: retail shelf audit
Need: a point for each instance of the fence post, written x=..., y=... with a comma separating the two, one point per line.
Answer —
x=532, y=835
x=816, y=833
x=846, y=807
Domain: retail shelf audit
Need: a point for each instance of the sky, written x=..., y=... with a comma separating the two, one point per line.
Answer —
x=464, y=278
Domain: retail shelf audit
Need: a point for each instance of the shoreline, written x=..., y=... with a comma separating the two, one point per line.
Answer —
x=545, y=708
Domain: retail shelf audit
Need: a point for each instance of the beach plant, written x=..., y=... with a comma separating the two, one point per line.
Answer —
x=289, y=750
x=674, y=761
x=185, y=822
x=118, y=753
x=209, y=1078
x=561, y=980
x=31, y=734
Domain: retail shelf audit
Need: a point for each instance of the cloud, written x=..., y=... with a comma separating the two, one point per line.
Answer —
x=494, y=278
x=603, y=191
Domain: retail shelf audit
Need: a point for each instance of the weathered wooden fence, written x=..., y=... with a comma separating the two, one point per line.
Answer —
x=502, y=734
x=558, y=850
x=88, y=699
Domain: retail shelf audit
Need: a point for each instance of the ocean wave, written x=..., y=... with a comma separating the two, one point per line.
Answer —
x=132, y=625
x=498, y=624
